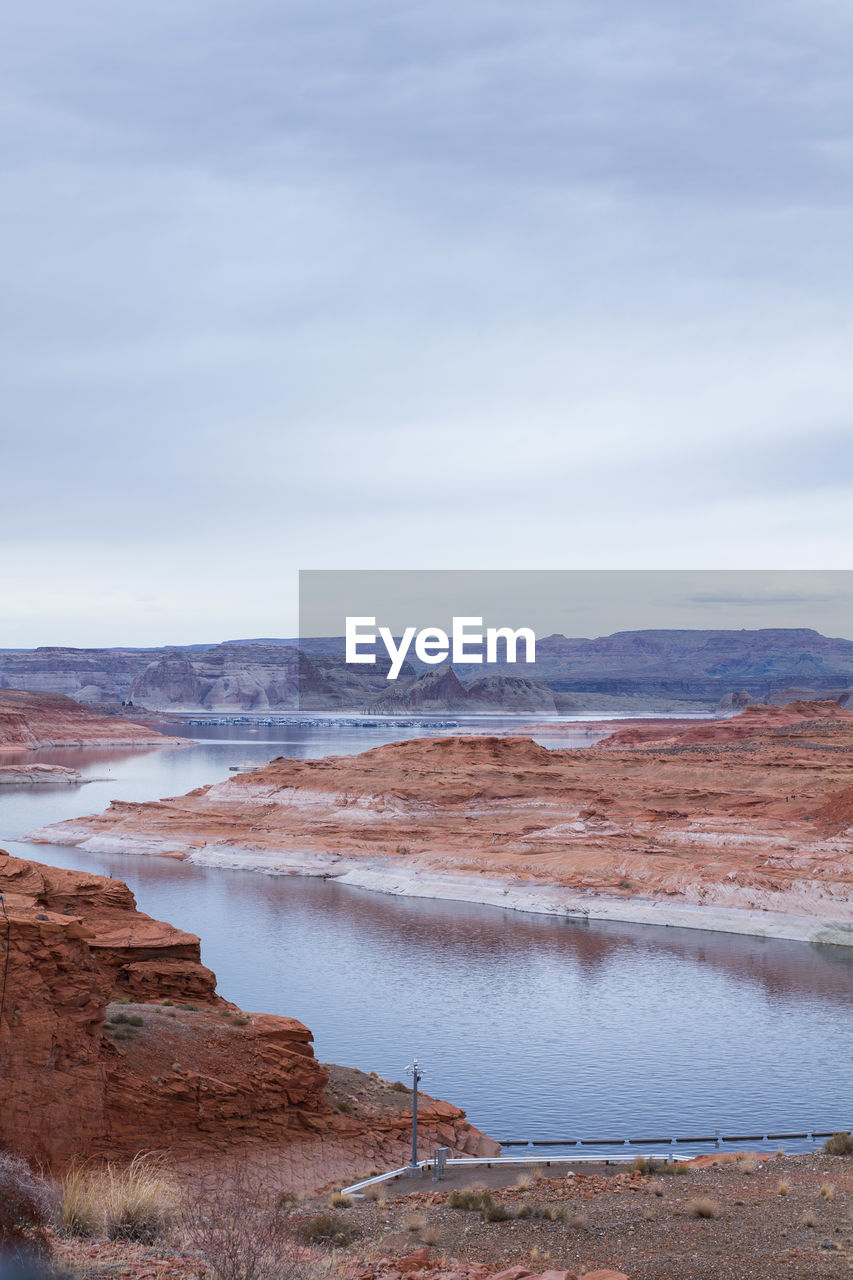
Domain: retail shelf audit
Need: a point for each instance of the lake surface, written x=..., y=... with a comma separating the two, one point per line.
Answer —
x=540, y=1028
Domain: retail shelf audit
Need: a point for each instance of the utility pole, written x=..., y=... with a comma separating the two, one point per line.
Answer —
x=417, y=1075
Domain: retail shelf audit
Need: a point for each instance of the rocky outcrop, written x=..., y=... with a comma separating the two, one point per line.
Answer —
x=35, y=775
x=440, y=690
x=744, y=815
x=114, y=1040
x=32, y=720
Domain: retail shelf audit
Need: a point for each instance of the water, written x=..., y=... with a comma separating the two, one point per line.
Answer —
x=540, y=1028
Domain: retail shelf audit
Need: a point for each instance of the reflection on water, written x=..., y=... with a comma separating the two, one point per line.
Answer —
x=539, y=1027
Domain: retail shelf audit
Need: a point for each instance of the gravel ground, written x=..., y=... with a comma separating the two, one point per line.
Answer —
x=771, y=1221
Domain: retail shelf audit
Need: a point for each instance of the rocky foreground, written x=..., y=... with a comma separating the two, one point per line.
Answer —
x=743, y=825
x=29, y=721
x=113, y=1040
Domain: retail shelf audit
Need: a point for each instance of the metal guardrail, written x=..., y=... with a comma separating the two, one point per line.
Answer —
x=717, y=1138
x=579, y=1157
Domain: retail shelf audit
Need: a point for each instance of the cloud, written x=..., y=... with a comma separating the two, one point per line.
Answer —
x=369, y=283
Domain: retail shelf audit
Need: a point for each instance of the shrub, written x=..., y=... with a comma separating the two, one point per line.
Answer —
x=242, y=1230
x=326, y=1228
x=339, y=1201
x=492, y=1212
x=703, y=1207
x=650, y=1165
x=137, y=1202
x=414, y=1222
x=810, y=1219
x=345, y=1107
x=27, y=1208
x=467, y=1200
x=399, y=1087
x=136, y=1020
x=840, y=1144
x=828, y=1191
x=783, y=1187
x=240, y=1021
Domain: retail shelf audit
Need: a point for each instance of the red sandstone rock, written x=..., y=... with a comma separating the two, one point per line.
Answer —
x=751, y=813
x=31, y=720
x=193, y=1079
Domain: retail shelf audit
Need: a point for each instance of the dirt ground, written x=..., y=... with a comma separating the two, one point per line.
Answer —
x=786, y=1218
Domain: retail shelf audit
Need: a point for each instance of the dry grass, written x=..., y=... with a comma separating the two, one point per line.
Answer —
x=414, y=1222
x=376, y=1192
x=138, y=1201
x=703, y=1207
x=828, y=1191
x=810, y=1219
x=840, y=1144
x=339, y=1201
x=783, y=1187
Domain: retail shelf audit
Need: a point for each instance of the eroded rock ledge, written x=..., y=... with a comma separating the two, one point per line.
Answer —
x=743, y=825
x=29, y=721
x=175, y=1067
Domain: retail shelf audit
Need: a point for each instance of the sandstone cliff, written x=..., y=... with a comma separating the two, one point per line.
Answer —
x=32, y=720
x=114, y=1040
x=731, y=816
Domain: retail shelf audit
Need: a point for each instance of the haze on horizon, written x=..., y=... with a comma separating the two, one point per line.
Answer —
x=304, y=285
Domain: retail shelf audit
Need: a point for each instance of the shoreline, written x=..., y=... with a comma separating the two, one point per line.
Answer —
x=385, y=876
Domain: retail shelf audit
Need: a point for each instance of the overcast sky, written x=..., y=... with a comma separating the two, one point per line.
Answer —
x=314, y=284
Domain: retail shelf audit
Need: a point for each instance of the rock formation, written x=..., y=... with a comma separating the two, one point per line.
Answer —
x=642, y=671
x=35, y=775
x=739, y=815
x=175, y=1066
x=32, y=720
x=440, y=690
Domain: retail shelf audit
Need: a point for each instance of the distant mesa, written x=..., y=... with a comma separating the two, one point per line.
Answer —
x=627, y=673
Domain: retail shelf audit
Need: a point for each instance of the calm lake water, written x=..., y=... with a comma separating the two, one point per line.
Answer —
x=540, y=1028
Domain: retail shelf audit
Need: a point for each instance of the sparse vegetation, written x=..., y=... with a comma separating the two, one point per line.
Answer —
x=339, y=1201
x=134, y=1202
x=840, y=1144
x=649, y=1165
x=414, y=1222
x=703, y=1207
x=27, y=1208
x=240, y=1021
x=241, y=1230
x=326, y=1228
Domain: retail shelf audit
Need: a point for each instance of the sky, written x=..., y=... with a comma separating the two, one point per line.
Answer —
x=312, y=285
